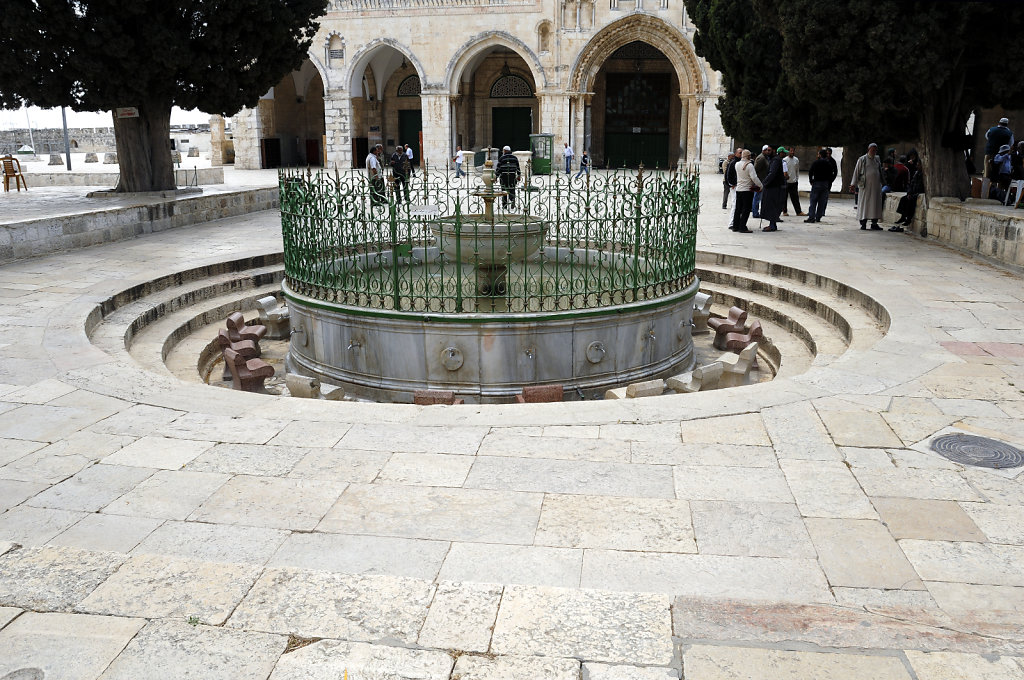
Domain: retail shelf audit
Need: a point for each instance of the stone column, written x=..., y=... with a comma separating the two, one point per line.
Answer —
x=686, y=147
x=437, y=117
x=246, y=133
x=338, y=127
x=554, y=116
x=216, y=140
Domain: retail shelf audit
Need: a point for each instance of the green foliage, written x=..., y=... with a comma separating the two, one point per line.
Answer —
x=96, y=55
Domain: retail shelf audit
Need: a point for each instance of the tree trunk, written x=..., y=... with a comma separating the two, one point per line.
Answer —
x=945, y=169
x=144, y=149
x=850, y=156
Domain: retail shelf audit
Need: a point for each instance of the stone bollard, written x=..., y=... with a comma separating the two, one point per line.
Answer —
x=193, y=152
x=302, y=386
x=91, y=158
x=110, y=159
x=55, y=159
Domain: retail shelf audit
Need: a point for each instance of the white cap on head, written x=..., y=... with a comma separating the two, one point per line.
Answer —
x=506, y=148
x=872, y=144
x=1004, y=121
x=765, y=147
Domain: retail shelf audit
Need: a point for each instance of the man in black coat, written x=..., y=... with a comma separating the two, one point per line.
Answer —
x=400, y=173
x=508, y=175
x=820, y=175
x=774, y=198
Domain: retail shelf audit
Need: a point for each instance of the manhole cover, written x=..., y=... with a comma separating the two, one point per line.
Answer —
x=969, y=449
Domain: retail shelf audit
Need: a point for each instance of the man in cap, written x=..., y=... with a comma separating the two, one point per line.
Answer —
x=508, y=175
x=997, y=136
x=1003, y=164
x=774, y=190
x=867, y=179
x=400, y=172
x=374, y=173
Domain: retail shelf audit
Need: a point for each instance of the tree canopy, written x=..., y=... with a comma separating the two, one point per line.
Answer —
x=99, y=55
x=863, y=70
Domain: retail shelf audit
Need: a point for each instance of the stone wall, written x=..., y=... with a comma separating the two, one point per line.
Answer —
x=976, y=226
x=108, y=179
x=49, y=235
x=82, y=140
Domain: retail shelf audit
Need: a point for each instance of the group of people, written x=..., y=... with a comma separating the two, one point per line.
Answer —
x=401, y=171
x=873, y=178
x=1004, y=159
x=764, y=187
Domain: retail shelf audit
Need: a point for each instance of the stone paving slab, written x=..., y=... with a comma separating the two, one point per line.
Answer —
x=92, y=488
x=52, y=578
x=113, y=533
x=641, y=524
x=521, y=564
x=331, y=659
x=213, y=542
x=64, y=646
x=861, y=553
x=362, y=554
x=270, y=502
x=703, y=662
x=500, y=668
x=8, y=614
x=169, y=648
x=572, y=477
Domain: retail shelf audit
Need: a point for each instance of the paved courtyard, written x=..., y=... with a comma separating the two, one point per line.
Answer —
x=794, y=529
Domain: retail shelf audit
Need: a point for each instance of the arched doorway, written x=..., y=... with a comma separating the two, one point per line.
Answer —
x=385, y=88
x=640, y=88
x=291, y=119
x=496, y=103
x=635, y=103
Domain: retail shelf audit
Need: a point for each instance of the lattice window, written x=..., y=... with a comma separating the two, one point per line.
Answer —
x=637, y=50
x=511, y=86
x=410, y=87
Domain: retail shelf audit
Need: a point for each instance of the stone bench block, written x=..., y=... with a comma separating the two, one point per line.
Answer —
x=110, y=159
x=647, y=388
x=435, y=398
x=701, y=313
x=736, y=342
x=701, y=378
x=736, y=367
x=616, y=393
x=247, y=375
x=91, y=158
x=537, y=394
x=302, y=386
x=275, y=317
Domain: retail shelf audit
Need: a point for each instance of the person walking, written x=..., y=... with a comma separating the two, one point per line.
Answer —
x=747, y=184
x=459, y=159
x=568, y=153
x=409, y=155
x=792, y=164
x=374, y=173
x=820, y=176
x=835, y=173
x=508, y=176
x=867, y=180
x=584, y=165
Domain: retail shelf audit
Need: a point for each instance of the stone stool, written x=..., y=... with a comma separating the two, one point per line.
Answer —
x=247, y=348
x=237, y=330
x=700, y=378
x=302, y=386
x=91, y=158
x=274, y=316
x=735, y=342
x=539, y=394
x=247, y=375
x=55, y=159
x=701, y=313
x=735, y=322
x=737, y=366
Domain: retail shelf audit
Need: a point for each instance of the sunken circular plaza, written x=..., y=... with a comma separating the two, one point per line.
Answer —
x=584, y=283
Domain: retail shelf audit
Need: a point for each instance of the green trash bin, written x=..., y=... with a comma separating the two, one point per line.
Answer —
x=543, y=147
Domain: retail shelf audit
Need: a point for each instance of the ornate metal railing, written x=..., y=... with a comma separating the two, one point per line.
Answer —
x=611, y=238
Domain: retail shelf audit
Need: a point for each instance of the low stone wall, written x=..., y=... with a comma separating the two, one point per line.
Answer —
x=976, y=226
x=109, y=179
x=53, y=234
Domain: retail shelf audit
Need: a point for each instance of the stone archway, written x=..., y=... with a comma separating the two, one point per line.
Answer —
x=689, y=73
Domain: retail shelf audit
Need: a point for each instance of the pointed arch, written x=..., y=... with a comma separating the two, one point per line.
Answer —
x=465, y=56
x=375, y=50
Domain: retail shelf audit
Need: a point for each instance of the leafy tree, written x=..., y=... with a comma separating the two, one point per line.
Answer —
x=889, y=69
x=99, y=55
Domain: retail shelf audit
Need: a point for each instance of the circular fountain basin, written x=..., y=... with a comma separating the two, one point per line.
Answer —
x=473, y=239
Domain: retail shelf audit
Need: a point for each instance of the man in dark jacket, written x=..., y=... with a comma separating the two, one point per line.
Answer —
x=761, y=170
x=774, y=189
x=820, y=175
x=400, y=173
x=508, y=175
x=725, y=179
x=730, y=185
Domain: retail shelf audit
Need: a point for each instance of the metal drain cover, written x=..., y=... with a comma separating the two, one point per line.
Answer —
x=970, y=449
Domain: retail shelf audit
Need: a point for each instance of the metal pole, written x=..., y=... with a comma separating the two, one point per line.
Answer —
x=67, y=142
x=31, y=140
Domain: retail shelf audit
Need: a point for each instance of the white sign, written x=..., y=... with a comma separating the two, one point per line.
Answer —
x=127, y=112
x=425, y=210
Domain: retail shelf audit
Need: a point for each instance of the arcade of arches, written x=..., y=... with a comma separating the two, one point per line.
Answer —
x=628, y=101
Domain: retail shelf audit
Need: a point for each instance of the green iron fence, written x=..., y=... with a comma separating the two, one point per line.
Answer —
x=610, y=238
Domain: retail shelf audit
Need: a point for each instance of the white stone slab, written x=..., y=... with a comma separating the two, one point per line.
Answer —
x=249, y=459
x=600, y=626
x=53, y=579
x=416, y=439
x=174, y=648
x=859, y=428
x=362, y=554
x=469, y=667
x=426, y=469
x=333, y=659
x=712, y=482
x=955, y=666
x=762, y=578
x=960, y=562
x=435, y=513
x=275, y=502
x=668, y=452
x=46, y=423
x=344, y=465
x=1001, y=523
x=861, y=553
x=92, y=488
x=564, y=448
x=40, y=392
x=826, y=489
x=35, y=526
x=705, y=662
x=364, y=608
x=63, y=646
x=106, y=532
x=751, y=529
x=64, y=458
x=139, y=420
x=152, y=586
x=746, y=429
x=310, y=433
x=601, y=671
x=461, y=616
x=927, y=519
x=159, y=452
x=222, y=428
x=522, y=564
x=797, y=432
x=168, y=494
x=13, y=449
x=214, y=542
x=13, y=492
x=915, y=483
x=572, y=477
x=648, y=524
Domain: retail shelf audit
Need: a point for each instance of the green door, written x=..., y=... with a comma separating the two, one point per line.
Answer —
x=636, y=115
x=410, y=123
x=512, y=125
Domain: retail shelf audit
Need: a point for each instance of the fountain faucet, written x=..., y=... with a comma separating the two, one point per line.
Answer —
x=528, y=352
x=354, y=345
x=651, y=335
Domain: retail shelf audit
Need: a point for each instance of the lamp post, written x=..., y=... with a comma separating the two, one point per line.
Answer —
x=67, y=143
